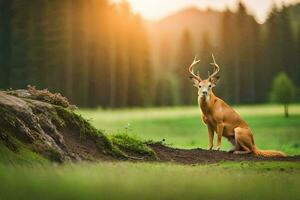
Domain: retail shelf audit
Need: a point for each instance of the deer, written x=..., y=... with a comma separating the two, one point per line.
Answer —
x=223, y=120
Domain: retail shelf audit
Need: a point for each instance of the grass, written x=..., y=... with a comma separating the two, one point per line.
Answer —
x=263, y=180
x=182, y=127
x=131, y=143
x=22, y=156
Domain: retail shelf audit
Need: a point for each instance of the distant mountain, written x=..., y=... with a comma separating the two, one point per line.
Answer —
x=197, y=21
x=169, y=30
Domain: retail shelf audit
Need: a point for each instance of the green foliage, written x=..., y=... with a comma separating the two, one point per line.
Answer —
x=23, y=155
x=283, y=90
x=77, y=121
x=131, y=143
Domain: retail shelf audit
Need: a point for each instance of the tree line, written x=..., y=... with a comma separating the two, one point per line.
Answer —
x=93, y=52
x=97, y=54
x=250, y=55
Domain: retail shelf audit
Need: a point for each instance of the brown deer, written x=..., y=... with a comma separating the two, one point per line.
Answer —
x=219, y=117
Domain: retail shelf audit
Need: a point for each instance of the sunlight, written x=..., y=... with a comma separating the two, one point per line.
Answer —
x=157, y=9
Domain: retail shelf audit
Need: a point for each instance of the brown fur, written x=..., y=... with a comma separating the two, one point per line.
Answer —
x=222, y=119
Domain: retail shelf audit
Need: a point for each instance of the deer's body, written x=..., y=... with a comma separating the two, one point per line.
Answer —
x=221, y=119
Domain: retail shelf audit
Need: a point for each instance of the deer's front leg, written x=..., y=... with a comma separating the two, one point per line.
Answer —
x=210, y=137
x=220, y=129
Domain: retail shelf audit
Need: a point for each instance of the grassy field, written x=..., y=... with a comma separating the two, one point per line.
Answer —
x=182, y=126
x=264, y=180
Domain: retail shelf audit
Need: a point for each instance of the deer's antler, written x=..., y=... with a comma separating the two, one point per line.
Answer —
x=216, y=67
x=195, y=62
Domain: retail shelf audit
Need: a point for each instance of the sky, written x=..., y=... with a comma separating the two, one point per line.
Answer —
x=157, y=9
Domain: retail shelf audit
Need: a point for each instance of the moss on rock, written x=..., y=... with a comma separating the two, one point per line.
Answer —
x=58, y=134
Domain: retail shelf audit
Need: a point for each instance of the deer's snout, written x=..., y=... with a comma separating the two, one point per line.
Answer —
x=204, y=92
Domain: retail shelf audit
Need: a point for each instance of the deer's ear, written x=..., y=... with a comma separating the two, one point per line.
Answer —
x=195, y=81
x=215, y=80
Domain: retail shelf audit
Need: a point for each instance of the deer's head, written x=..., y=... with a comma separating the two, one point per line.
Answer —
x=205, y=85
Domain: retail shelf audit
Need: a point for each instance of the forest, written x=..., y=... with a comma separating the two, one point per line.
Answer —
x=97, y=102
x=100, y=54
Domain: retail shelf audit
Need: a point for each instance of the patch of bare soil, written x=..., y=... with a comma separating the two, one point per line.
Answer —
x=83, y=149
x=194, y=156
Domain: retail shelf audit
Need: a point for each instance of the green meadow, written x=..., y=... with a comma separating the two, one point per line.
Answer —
x=180, y=127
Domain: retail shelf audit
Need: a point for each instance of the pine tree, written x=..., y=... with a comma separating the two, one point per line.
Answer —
x=164, y=93
x=247, y=47
x=20, y=44
x=5, y=43
x=287, y=43
x=80, y=16
x=147, y=73
x=259, y=72
x=97, y=52
x=205, y=56
x=37, y=43
x=185, y=57
x=227, y=28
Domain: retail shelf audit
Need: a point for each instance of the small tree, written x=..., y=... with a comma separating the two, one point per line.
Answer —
x=283, y=91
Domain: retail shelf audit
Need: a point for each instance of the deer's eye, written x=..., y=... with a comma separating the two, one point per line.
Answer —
x=199, y=86
x=209, y=86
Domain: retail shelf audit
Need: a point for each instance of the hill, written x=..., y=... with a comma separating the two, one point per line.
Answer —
x=165, y=34
x=196, y=21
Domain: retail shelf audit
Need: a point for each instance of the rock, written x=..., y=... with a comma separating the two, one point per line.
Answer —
x=51, y=130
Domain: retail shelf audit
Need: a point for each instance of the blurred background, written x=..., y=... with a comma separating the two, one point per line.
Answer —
x=125, y=65
x=102, y=53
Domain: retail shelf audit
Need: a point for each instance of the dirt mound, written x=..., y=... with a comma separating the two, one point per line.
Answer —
x=51, y=130
x=45, y=123
x=193, y=156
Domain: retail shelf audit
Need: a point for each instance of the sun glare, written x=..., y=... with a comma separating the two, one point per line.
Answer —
x=157, y=9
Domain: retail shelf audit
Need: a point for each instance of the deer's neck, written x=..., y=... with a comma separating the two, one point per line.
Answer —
x=206, y=104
